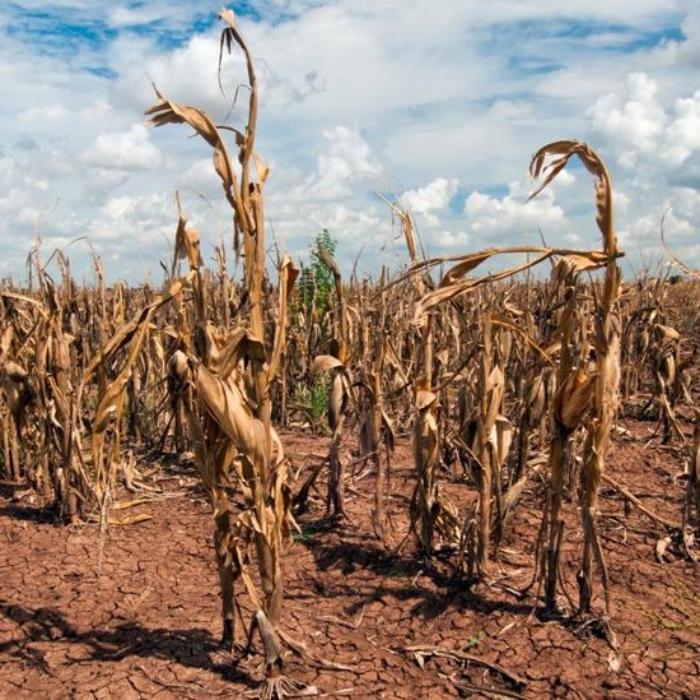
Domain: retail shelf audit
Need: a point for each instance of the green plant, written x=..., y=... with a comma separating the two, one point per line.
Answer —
x=475, y=640
x=312, y=401
x=316, y=280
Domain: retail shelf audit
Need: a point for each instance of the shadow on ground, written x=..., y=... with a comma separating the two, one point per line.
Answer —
x=191, y=647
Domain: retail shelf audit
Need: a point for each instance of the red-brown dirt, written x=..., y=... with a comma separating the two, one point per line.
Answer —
x=149, y=624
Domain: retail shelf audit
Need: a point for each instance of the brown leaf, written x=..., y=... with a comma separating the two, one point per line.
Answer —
x=324, y=363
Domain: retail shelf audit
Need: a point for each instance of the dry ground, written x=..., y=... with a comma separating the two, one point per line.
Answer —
x=149, y=625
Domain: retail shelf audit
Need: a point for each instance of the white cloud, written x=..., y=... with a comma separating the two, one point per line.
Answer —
x=347, y=155
x=125, y=150
x=654, y=138
x=450, y=239
x=635, y=126
x=434, y=197
x=496, y=219
x=641, y=127
x=683, y=133
x=337, y=196
x=458, y=92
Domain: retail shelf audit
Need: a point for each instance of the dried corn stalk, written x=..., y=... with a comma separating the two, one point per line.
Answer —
x=231, y=425
x=692, y=510
x=668, y=376
x=606, y=344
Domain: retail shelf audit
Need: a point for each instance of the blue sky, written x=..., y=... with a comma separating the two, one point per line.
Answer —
x=440, y=106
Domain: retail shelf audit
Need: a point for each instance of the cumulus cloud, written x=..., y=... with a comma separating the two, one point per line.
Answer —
x=502, y=218
x=346, y=109
x=639, y=127
x=335, y=195
x=434, y=197
x=683, y=133
x=347, y=155
x=124, y=150
x=654, y=138
x=633, y=127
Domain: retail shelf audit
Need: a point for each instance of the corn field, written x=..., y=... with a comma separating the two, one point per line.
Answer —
x=461, y=396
